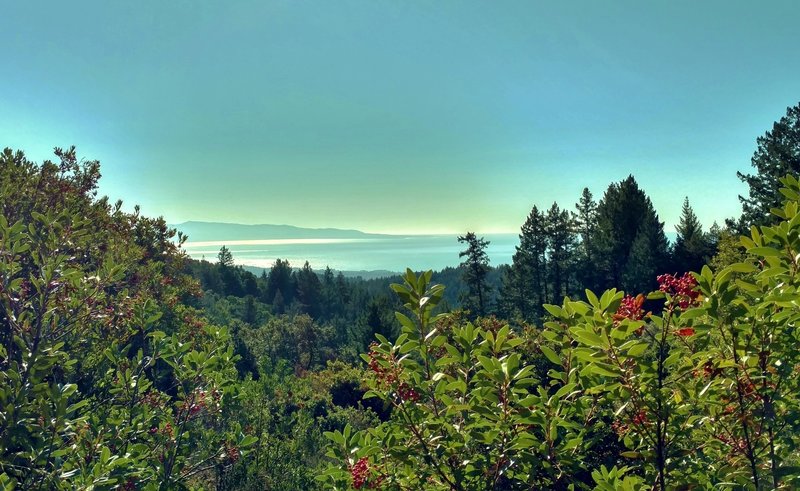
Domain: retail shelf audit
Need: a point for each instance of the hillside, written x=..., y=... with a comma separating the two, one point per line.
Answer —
x=216, y=231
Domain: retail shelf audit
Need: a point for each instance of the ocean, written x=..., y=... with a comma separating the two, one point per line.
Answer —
x=394, y=253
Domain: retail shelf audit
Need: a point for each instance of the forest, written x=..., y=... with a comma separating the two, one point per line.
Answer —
x=603, y=357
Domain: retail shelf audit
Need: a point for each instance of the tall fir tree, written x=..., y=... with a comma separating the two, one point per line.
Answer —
x=586, y=253
x=525, y=284
x=476, y=267
x=692, y=247
x=225, y=258
x=777, y=154
x=309, y=291
x=561, y=244
x=280, y=280
x=625, y=213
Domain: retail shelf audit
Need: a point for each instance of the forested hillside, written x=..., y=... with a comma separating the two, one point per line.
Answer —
x=603, y=357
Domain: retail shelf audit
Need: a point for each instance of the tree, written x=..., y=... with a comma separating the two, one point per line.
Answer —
x=777, y=154
x=692, y=247
x=624, y=213
x=280, y=280
x=309, y=291
x=108, y=380
x=476, y=267
x=561, y=242
x=586, y=226
x=525, y=287
x=701, y=393
x=225, y=258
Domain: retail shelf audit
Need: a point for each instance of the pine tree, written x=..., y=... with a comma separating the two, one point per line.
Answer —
x=476, y=267
x=280, y=280
x=586, y=226
x=624, y=213
x=692, y=247
x=309, y=290
x=647, y=257
x=225, y=258
x=778, y=154
x=525, y=285
x=561, y=245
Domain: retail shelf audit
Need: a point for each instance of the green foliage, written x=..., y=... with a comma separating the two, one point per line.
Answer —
x=630, y=239
x=106, y=379
x=476, y=268
x=467, y=412
x=525, y=289
x=777, y=154
x=693, y=248
x=225, y=258
x=703, y=394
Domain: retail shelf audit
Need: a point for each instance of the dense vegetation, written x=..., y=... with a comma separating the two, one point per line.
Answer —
x=595, y=360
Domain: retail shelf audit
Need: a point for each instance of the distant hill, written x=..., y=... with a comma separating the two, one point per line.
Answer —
x=215, y=231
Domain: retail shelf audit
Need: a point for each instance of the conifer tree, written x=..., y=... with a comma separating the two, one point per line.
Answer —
x=624, y=213
x=561, y=242
x=525, y=286
x=309, y=291
x=586, y=226
x=225, y=258
x=476, y=267
x=693, y=246
x=778, y=154
x=280, y=280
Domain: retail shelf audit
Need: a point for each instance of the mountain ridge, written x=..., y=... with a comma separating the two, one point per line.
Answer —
x=199, y=231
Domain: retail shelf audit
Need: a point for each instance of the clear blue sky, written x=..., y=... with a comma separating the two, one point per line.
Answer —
x=399, y=116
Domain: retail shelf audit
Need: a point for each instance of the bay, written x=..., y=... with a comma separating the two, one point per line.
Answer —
x=388, y=253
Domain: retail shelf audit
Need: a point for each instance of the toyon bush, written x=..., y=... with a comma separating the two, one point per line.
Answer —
x=693, y=386
x=107, y=379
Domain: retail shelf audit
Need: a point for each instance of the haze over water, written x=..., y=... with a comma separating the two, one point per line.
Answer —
x=395, y=253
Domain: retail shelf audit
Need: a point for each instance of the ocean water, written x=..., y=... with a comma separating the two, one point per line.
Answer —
x=418, y=252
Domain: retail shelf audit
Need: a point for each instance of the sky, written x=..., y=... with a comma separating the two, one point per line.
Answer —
x=399, y=116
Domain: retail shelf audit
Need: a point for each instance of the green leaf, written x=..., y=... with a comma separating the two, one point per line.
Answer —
x=592, y=298
x=588, y=337
x=550, y=355
x=554, y=310
x=603, y=369
x=764, y=251
x=637, y=349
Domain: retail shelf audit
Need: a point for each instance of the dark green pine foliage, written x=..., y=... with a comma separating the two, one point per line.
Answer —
x=309, y=291
x=586, y=250
x=476, y=267
x=631, y=243
x=280, y=290
x=778, y=154
x=525, y=284
x=693, y=247
x=561, y=242
x=225, y=258
x=228, y=274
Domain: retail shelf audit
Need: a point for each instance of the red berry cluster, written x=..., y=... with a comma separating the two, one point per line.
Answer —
x=709, y=371
x=166, y=431
x=639, y=418
x=630, y=308
x=407, y=393
x=387, y=372
x=153, y=400
x=683, y=288
x=360, y=473
x=620, y=428
x=685, y=332
x=232, y=452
